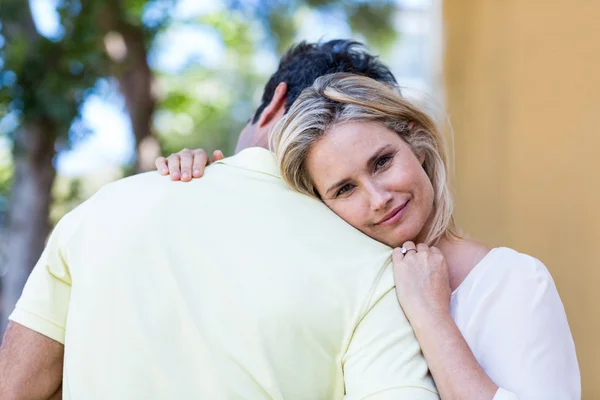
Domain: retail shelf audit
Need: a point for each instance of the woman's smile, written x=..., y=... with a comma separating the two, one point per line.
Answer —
x=393, y=216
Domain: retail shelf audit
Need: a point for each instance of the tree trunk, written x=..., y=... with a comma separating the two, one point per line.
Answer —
x=27, y=224
x=135, y=83
x=125, y=45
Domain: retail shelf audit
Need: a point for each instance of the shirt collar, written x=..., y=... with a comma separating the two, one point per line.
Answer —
x=254, y=159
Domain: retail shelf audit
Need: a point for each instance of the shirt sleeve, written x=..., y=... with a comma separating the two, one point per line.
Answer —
x=383, y=360
x=44, y=303
x=522, y=337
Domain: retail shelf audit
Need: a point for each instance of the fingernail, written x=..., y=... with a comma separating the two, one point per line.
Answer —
x=196, y=171
x=164, y=170
x=185, y=175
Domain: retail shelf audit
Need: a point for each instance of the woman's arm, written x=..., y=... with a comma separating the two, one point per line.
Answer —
x=455, y=370
x=423, y=288
x=515, y=322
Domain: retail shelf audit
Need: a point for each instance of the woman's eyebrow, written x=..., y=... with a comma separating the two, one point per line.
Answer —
x=377, y=154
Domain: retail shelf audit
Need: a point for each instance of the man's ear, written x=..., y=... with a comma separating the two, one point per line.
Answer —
x=275, y=107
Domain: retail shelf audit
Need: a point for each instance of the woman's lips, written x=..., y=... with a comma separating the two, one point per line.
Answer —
x=393, y=216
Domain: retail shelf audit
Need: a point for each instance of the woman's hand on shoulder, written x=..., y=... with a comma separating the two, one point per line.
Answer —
x=422, y=282
x=186, y=164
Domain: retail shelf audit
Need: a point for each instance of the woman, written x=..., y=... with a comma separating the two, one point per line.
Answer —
x=489, y=321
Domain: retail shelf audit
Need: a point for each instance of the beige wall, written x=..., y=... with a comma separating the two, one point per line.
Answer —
x=523, y=94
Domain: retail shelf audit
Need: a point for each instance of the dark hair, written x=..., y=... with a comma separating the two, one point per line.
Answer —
x=304, y=62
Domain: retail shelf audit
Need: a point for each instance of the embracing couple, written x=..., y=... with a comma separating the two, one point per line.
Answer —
x=319, y=262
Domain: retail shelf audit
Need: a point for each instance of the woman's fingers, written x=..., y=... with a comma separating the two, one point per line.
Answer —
x=173, y=164
x=435, y=250
x=161, y=165
x=198, y=160
x=201, y=160
x=409, y=245
x=218, y=155
x=422, y=247
x=186, y=159
x=186, y=164
x=405, y=253
x=414, y=254
x=397, y=255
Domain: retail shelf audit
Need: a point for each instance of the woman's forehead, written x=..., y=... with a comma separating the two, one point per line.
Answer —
x=358, y=137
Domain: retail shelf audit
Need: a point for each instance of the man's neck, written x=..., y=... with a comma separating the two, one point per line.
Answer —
x=253, y=138
x=241, y=148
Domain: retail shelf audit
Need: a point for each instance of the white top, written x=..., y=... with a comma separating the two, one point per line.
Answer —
x=510, y=314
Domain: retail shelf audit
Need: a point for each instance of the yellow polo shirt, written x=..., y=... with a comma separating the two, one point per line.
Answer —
x=232, y=286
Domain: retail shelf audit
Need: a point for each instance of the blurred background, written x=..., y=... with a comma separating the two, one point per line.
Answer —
x=92, y=91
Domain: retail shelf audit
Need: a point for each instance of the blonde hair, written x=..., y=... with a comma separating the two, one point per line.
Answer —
x=342, y=98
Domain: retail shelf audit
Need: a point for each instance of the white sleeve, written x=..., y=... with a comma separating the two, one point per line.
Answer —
x=520, y=334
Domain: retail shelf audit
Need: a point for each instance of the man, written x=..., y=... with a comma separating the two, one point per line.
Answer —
x=232, y=286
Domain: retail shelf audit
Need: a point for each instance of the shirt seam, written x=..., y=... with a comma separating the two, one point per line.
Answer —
x=36, y=315
x=260, y=171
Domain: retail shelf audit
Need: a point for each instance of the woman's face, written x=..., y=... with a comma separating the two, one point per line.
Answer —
x=371, y=178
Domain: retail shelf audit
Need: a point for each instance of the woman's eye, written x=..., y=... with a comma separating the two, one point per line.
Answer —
x=344, y=189
x=382, y=162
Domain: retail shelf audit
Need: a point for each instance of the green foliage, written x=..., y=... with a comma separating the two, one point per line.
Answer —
x=207, y=107
x=135, y=13
x=195, y=110
x=54, y=76
x=371, y=19
x=6, y=175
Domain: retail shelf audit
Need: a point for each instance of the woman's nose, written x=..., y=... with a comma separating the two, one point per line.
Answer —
x=380, y=198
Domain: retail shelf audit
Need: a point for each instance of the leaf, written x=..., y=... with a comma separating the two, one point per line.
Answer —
x=375, y=22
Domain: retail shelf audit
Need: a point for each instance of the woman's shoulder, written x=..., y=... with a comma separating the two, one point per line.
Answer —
x=478, y=267
x=510, y=261
x=463, y=257
x=504, y=268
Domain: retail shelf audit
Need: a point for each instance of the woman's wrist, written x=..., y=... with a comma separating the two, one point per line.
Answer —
x=430, y=318
x=445, y=348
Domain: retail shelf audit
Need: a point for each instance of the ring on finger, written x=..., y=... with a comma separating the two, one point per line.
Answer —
x=404, y=250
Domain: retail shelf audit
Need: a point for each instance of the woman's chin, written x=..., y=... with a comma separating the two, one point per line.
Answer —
x=398, y=241
x=395, y=237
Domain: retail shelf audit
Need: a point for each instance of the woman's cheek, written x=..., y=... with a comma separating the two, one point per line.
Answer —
x=398, y=177
x=359, y=212
x=351, y=212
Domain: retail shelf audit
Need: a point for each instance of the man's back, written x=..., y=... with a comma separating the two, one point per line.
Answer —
x=231, y=286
